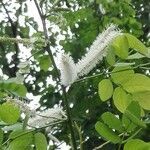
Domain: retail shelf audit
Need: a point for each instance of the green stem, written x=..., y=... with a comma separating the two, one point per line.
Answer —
x=108, y=73
x=80, y=135
x=133, y=135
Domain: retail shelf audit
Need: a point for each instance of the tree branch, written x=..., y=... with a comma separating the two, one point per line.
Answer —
x=65, y=100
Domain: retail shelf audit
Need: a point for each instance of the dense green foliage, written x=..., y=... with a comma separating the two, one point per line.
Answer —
x=107, y=109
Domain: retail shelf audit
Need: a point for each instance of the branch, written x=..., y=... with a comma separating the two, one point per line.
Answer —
x=65, y=100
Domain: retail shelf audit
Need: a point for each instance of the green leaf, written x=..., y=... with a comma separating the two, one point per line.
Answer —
x=137, y=83
x=9, y=113
x=121, y=99
x=134, y=119
x=136, y=144
x=22, y=140
x=107, y=133
x=105, y=89
x=15, y=88
x=143, y=98
x=44, y=62
x=120, y=75
x=111, y=56
x=112, y=121
x=40, y=141
x=136, y=44
x=135, y=109
x=17, y=133
x=121, y=46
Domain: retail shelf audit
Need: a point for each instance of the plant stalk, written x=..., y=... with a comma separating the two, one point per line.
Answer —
x=65, y=100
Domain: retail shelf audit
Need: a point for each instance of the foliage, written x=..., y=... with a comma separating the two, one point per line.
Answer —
x=108, y=108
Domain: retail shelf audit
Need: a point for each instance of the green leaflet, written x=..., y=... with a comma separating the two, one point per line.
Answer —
x=44, y=62
x=105, y=89
x=107, y=133
x=112, y=121
x=120, y=75
x=137, y=83
x=40, y=141
x=136, y=44
x=135, y=109
x=9, y=113
x=137, y=145
x=121, y=46
x=22, y=140
x=143, y=98
x=110, y=57
x=121, y=99
x=13, y=87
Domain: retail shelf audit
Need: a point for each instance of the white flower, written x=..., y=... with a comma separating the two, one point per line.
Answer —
x=47, y=117
x=71, y=71
x=97, y=50
x=67, y=69
x=53, y=138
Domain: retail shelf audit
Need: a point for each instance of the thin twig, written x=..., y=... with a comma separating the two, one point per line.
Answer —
x=107, y=142
x=133, y=135
x=104, y=72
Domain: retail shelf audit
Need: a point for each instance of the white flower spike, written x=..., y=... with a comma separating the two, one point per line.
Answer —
x=97, y=50
x=71, y=71
x=67, y=69
x=47, y=117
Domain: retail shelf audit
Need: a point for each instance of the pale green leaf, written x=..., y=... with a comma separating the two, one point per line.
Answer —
x=105, y=89
x=121, y=99
x=9, y=113
x=143, y=98
x=120, y=75
x=40, y=141
x=136, y=44
x=137, y=83
x=121, y=46
x=110, y=57
x=22, y=140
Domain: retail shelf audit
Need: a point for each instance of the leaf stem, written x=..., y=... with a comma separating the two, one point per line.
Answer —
x=102, y=73
x=133, y=135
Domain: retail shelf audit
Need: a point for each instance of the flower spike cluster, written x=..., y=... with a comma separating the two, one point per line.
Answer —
x=70, y=71
x=47, y=117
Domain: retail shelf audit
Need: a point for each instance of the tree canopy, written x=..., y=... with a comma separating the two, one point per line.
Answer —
x=106, y=107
